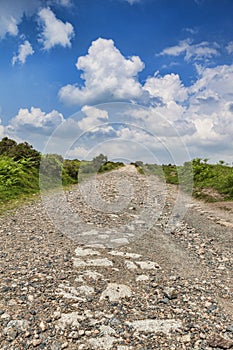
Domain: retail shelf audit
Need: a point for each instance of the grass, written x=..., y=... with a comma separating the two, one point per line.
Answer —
x=211, y=182
x=24, y=173
x=23, y=178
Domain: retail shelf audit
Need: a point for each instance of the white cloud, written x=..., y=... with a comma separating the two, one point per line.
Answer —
x=196, y=52
x=94, y=117
x=167, y=120
x=196, y=114
x=55, y=32
x=201, y=114
x=217, y=81
x=131, y=2
x=35, y=119
x=223, y=123
x=108, y=76
x=25, y=50
x=64, y=3
x=168, y=87
x=78, y=152
x=2, y=129
x=210, y=109
x=230, y=47
x=11, y=14
x=33, y=126
x=191, y=30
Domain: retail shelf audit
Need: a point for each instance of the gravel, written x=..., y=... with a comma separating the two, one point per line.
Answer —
x=117, y=276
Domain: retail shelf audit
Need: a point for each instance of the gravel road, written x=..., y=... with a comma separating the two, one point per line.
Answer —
x=120, y=262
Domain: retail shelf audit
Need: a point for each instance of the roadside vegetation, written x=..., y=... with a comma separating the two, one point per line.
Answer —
x=211, y=182
x=24, y=171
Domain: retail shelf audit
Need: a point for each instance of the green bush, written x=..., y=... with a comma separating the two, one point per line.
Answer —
x=16, y=178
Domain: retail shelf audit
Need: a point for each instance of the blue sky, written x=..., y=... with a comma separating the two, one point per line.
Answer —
x=70, y=69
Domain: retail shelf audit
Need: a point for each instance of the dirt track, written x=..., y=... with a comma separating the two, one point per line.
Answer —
x=112, y=265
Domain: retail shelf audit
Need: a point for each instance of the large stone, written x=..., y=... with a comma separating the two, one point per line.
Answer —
x=85, y=252
x=115, y=292
x=70, y=319
x=104, y=343
x=95, y=262
x=154, y=326
x=147, y=265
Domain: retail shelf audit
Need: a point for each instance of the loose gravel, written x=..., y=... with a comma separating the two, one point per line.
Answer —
x=102, y=267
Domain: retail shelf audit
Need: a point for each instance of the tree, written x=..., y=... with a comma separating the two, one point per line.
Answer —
x=6, y=145
x=99, y=161
x=23, y=150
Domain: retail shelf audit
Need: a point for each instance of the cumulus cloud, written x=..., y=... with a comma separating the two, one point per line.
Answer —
x=196, y=52
x=25, y=50
x=79, y=152
x=200, y=114
x=168, y=87
x=210, y=109
x=34, y=126
x=108, y=75
x=93, y=117
x=214, y=82
x=35, y=120
x=167, y=120
x=55, y=32
x=223, y=122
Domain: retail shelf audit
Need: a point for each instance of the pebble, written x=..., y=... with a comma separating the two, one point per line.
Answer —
x=113, y=285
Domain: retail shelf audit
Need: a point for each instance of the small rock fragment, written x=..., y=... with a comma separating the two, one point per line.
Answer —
x=218, y=341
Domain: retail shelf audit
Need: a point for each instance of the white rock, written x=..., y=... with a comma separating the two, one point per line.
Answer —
x=19, y=325
x=104, y=343
x=87, y=290
x=96, y=245
x=30, y=297
x=5, y=316
x=142, y=278
x=43, y=326
x=125, y=254
x=103, y=236
x=120, y=241
x=147, y=265
x=79, y=279
x=89, y=233
x=186, y=338
x=115, y=292
x=68, y=295
x=70, y=319
x=139, y=222
x=130, y=265
x=85, y=252
x=107, y=330
x=79, y=263
x=70, y=292
x=152, y=325
x=93, y=274
x=95, y=262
